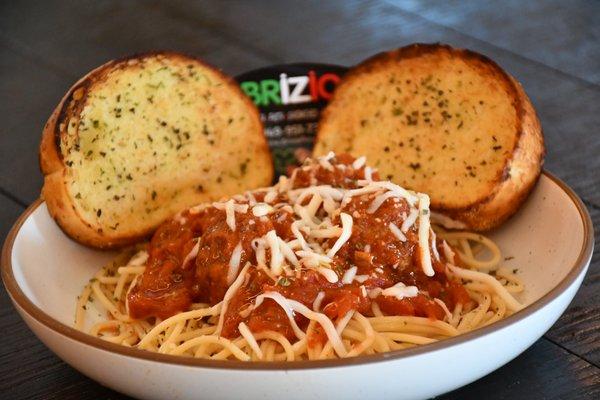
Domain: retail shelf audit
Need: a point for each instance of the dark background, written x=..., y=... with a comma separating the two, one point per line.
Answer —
x=552, y=47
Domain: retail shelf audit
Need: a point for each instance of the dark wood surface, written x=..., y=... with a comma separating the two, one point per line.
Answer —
x=552, y=47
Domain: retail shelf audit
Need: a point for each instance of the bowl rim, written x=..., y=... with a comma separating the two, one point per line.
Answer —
x=20, y=299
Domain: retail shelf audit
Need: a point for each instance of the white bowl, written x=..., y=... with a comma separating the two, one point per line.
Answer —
x=551, y=240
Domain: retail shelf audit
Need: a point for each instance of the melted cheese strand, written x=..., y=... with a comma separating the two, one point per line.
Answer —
x=424, y=229
x=400, y=291
x=314, y=204
x=252, y=199
x=379, y=200
x=239, y=281
x=397, y=232
x=247, y=334
x=302, y=212
x=346, y=233
x=298, y=235
x=349, y=275
x=339, y=327
x=270, y=196
x=399, y=190
x=276, y=256
x=318, y=300
x=192, y=254
x=308, y=255
x=262, y=209
x=334, y=231
x=230, y=212
x=328, y=273
x=287, y=308
x=288, y=253
x=261, y=253
x=410, y=220
x=359, y=162
x=234, y=263
x=322, y=319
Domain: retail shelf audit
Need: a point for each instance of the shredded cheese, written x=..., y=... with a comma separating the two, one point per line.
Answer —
x=198, y=209
x=251, y=198
x=230, y=212
x=363, y=290
x=261, y=209
x=349, y=275
x=234, y=263
x=285, y=305
x=346, y=233
x=298, y=235
x=359, y=162
x=312, y=258
x=324, y=162
x=290, y=306
x=400, y=291
x=379, y=200
x=276, y=256
x=261, y=252
x=314, y=204
x=192, y=254
x=270, y=196
x=247, y=334
x=397, y=232
x=302, y=212
x=410, y=220
x=334, y=231
x=318, y=300
x=329, y=274
x=424, y=229
x=359, y=192
x=288, y=253
x=231, y=291
x=410, y=197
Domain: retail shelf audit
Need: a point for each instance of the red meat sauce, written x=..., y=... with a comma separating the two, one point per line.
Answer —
x=167, y=287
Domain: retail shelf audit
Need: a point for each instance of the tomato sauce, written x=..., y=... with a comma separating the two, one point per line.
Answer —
x=168, y=286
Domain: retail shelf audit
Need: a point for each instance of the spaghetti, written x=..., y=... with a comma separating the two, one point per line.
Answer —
x=328, y=263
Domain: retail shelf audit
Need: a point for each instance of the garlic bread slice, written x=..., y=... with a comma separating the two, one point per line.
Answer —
x=139, y=139
x=443, y=121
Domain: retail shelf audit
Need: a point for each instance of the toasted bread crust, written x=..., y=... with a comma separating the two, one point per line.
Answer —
x=522, y=172
x=61, y=208
x=60, y=203
x=522, y=166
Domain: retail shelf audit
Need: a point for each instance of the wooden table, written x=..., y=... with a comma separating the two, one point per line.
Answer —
x=552, y=47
